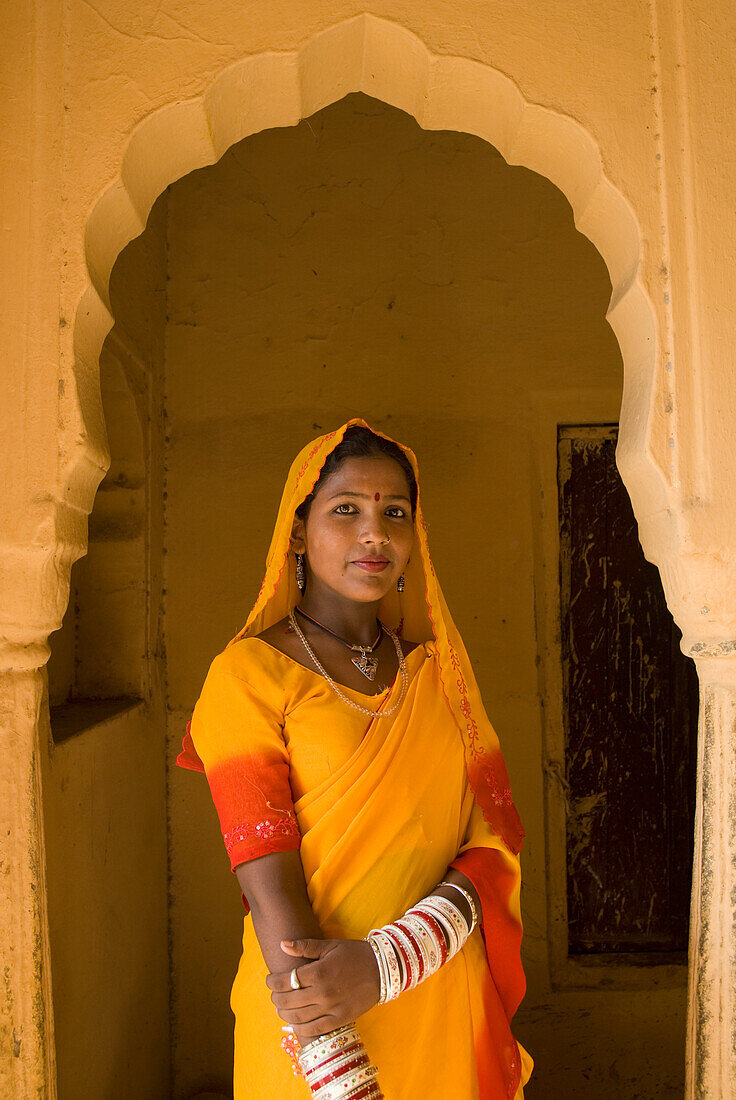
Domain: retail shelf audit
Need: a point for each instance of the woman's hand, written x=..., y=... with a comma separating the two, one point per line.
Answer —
x=341, y=984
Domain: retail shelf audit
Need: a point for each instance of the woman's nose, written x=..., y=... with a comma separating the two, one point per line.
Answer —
x=375, y=530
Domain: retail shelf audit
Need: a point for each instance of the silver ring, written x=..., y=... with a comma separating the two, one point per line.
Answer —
x=294, y=980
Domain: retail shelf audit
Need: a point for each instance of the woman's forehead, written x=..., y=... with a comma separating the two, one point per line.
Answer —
x=369, y=474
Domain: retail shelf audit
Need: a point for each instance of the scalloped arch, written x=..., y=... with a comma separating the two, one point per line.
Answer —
x=390, y=63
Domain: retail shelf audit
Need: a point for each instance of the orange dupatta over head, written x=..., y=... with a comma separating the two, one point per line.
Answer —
x=419, y=613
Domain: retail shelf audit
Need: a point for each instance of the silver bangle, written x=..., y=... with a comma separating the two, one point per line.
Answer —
x=469, y=898
x=381, y=971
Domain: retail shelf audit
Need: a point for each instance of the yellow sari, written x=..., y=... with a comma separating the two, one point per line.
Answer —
x=378, y=810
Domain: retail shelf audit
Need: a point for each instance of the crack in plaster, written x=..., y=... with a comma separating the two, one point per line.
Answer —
x=147, y=32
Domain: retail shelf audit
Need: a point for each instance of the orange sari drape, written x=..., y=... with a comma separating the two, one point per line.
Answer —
x=378, y=809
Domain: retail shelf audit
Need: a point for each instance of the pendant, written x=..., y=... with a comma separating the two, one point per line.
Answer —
x=367, y=665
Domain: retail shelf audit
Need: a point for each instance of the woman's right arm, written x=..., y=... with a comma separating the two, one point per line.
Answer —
x=277, y=894
x=237, y=734
x=339, y=977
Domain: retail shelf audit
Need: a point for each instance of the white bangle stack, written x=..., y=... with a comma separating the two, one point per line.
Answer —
x=336, y=1067
x=416, y=945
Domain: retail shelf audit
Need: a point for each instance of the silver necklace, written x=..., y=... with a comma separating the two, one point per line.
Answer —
x=336, y=689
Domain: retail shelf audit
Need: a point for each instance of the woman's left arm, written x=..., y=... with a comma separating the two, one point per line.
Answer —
x=339, y=983
x=342, y=970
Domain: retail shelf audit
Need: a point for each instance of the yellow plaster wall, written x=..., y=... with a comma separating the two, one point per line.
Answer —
x=106, y=850
x=651, y=84
x=641, y=77
x=356, y=265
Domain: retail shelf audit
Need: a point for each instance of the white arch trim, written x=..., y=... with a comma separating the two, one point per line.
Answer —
x=390, y=63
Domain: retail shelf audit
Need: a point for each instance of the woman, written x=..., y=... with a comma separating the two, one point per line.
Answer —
x=353, y=771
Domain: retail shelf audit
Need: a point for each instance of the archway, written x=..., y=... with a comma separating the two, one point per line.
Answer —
x=356, y=262
x=441, y=92
x=389, y=64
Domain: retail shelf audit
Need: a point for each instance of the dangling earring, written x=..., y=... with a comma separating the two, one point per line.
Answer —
x=400, y=584
x=300, y=572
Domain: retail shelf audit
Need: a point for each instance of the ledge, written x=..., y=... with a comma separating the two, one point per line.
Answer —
x=80, y=715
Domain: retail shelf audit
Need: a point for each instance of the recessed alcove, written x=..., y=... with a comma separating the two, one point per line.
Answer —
x=98, y=666
x=353, y=264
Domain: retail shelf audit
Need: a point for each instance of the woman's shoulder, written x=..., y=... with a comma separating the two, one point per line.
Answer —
x=253, y=659
x=282, y=637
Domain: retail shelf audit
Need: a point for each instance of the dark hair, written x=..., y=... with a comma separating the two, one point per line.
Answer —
x=359, y=442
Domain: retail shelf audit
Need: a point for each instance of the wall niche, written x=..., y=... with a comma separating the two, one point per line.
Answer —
x=100, y=664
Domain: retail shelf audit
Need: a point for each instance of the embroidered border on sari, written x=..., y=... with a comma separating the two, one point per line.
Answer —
x=261, y=831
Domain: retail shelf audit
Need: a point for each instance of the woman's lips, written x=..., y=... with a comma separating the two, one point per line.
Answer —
x=371, y=565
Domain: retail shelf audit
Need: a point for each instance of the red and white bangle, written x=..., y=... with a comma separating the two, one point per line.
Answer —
x=336, y=1066
x=452, y=920
x=435, y=931
x=394, y=974
x=416, y=945
x=407, y=955
x=327, y=1046
x=449, y=931
x=427, y=939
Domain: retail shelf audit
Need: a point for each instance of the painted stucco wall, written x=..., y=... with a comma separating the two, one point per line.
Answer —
x=106, y=828
x=104, y=108
x=356, y=265
x=618, y=70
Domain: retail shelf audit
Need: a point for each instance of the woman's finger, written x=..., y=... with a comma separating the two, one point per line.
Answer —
x=281, y=983
x=317, y=950
x=305, y=949
x=295, y=998
x=317, y=1027
x=302, y=1016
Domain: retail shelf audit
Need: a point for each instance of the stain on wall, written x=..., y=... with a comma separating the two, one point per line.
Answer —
x=631, y=717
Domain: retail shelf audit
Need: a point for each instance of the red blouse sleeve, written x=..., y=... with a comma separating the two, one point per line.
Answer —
x=237, y=735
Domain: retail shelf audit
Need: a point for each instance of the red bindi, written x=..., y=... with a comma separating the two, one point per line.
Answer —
x=377, y=496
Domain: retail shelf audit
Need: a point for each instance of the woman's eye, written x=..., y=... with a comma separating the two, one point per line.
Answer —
x=393, y=512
